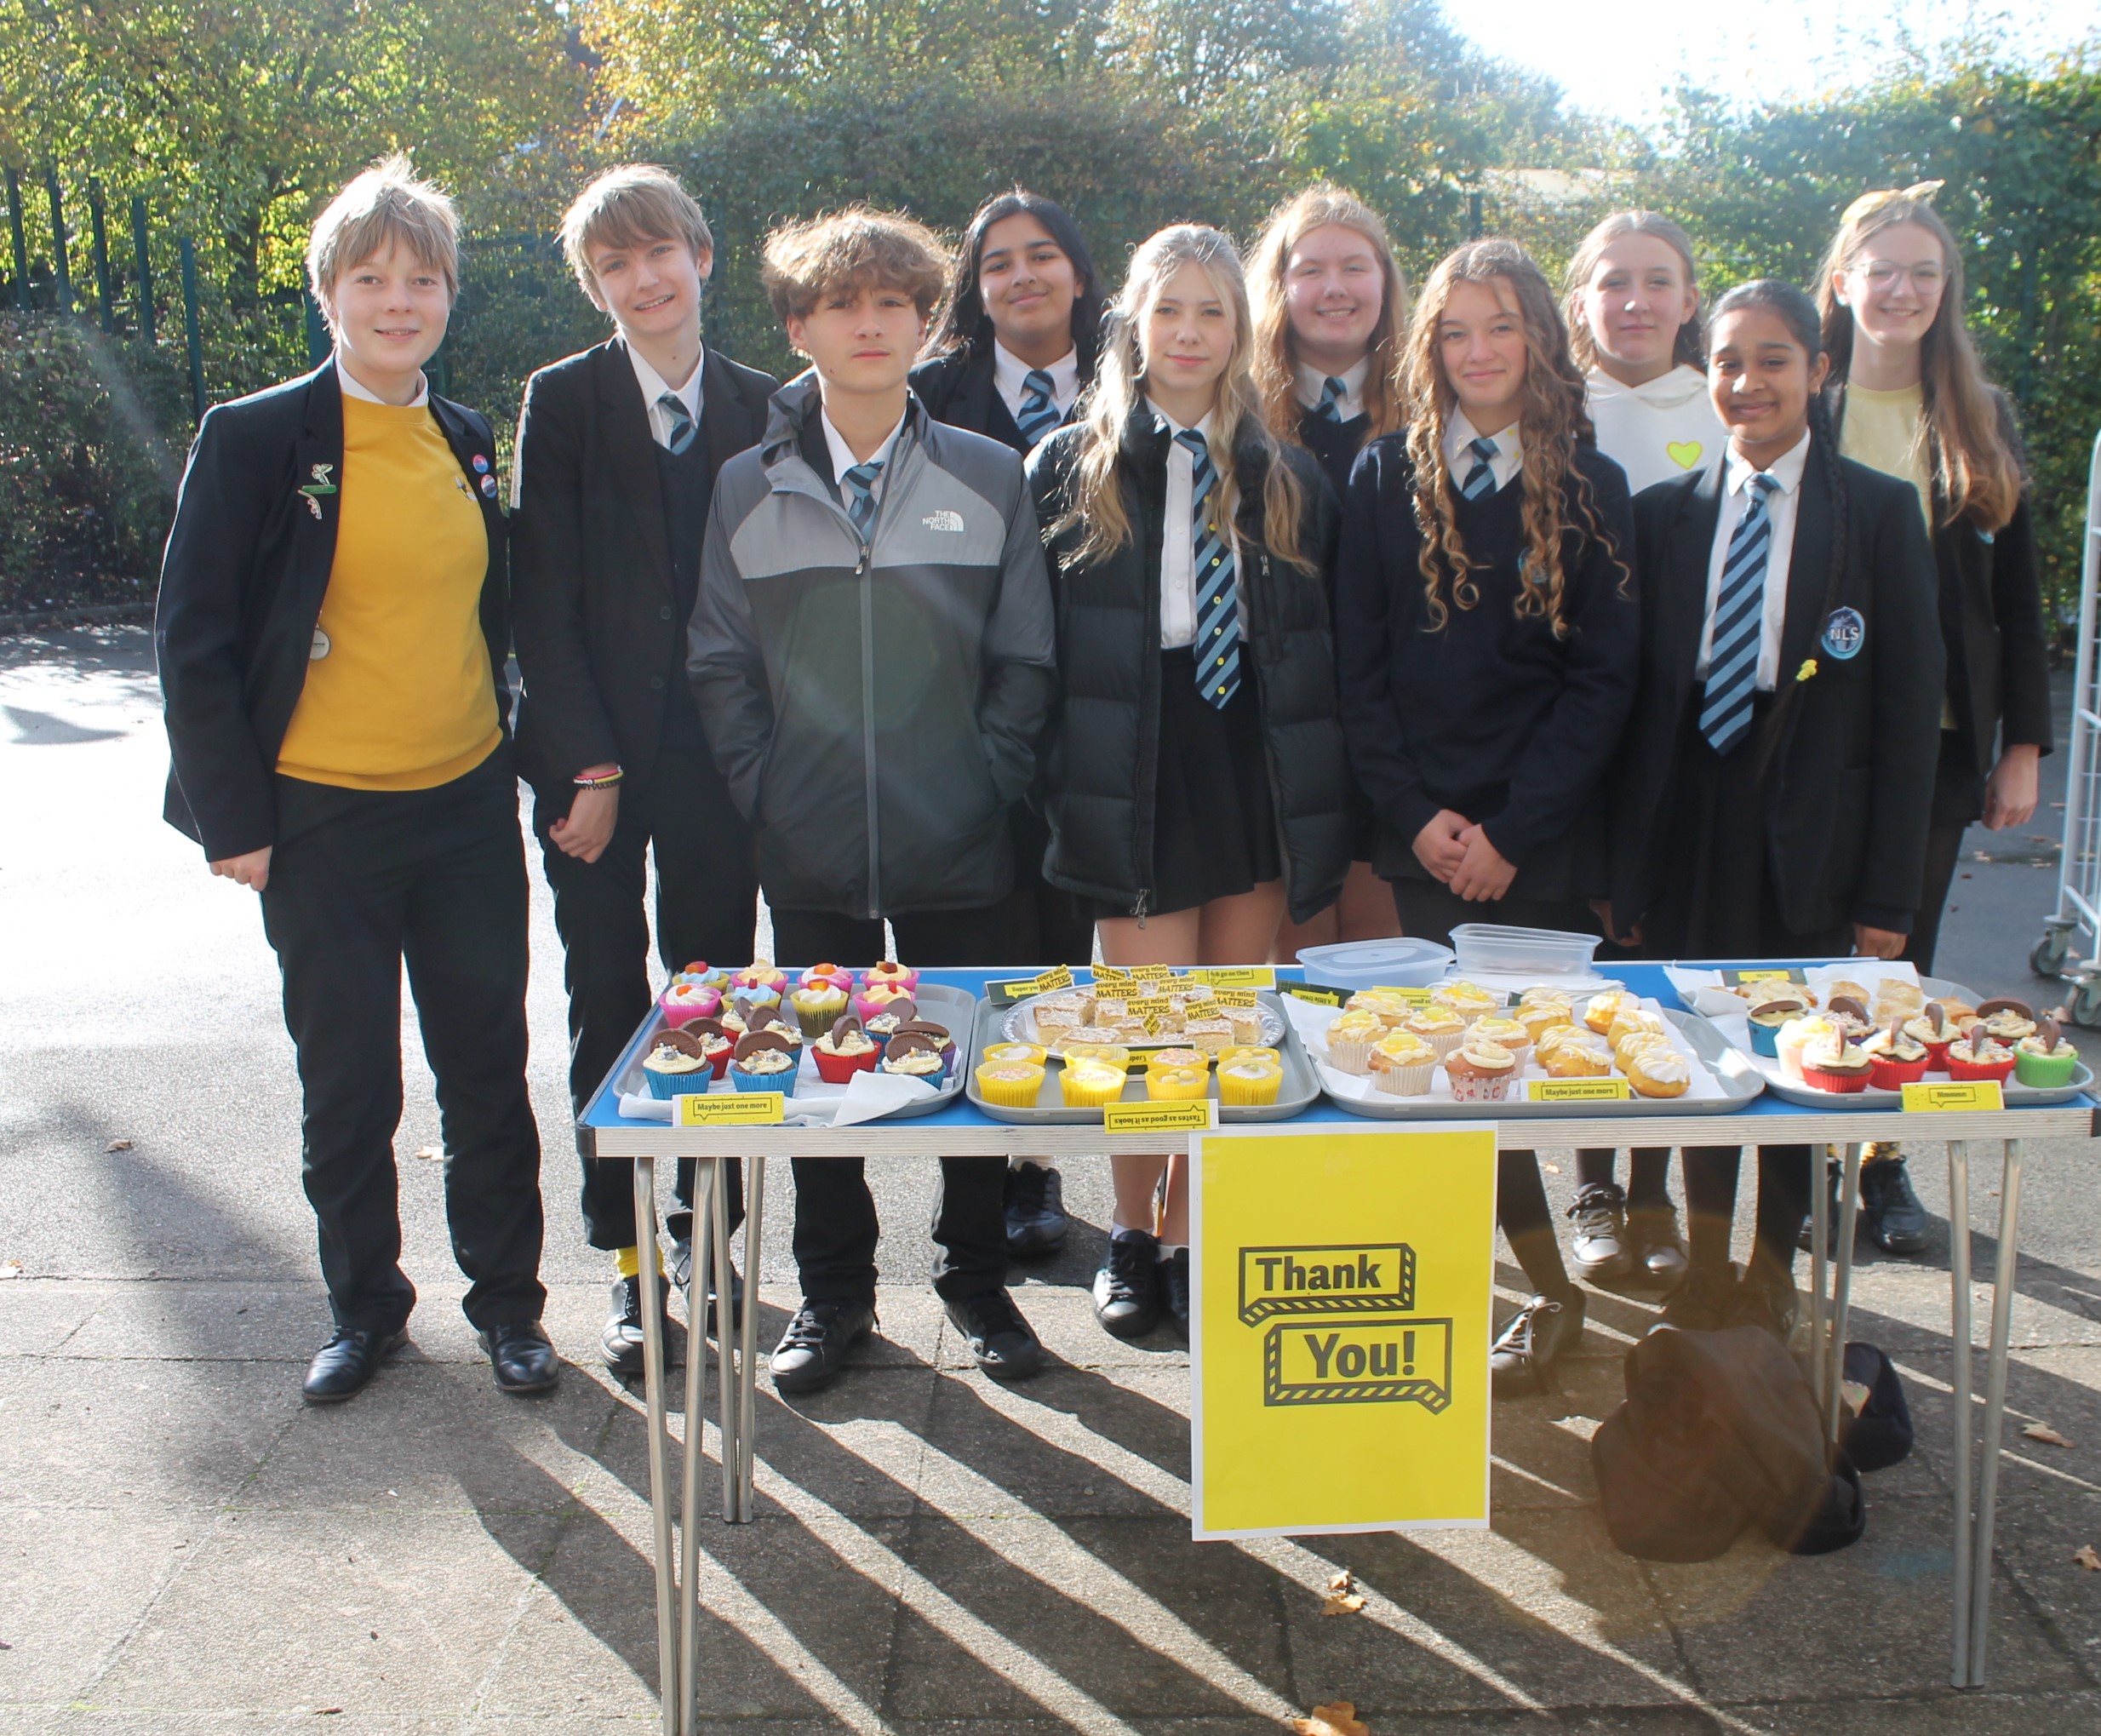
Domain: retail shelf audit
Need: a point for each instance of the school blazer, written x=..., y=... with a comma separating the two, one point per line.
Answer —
x=247, y=566
x=1849, y=786
x=958, y=389
x=599, y=640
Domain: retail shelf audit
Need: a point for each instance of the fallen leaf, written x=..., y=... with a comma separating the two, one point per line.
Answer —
x=1342, y=1603
x=1552, y=1169
x=430, y=1154
x=2044, y=1433
x=327, y=1711
x=1339, y=1718
x=2086, y=1558
x=10, y=1268
x=120, y=1145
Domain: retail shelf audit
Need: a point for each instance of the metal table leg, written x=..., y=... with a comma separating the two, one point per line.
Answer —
x=707, y=1203
x=1959, y=1399
x=730, y=1425
x=2003, y=1273
x=748, y=1336
x=667, y=1655
x=1819, y=1259
x=1842, y=1286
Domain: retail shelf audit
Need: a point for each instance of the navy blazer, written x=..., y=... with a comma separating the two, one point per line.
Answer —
x=247, y=566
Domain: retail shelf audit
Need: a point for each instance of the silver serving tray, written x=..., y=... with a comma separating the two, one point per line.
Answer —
x=1020, y=1027
x=1739, y=1080
x=1299, y=1091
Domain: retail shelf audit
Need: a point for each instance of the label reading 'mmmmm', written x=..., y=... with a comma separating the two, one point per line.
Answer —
x=1399, y=1359
x=1339, y=1278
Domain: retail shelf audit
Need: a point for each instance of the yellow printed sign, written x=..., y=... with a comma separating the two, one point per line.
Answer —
x=1236, y=976
x=1416, y=997
x=1956, y=1094
x=1192, y=1116
x=1150, y=1006
x=740, y=1108
x=1576, y=1090
x=1234, y=997
x=1107, y=976
x=1152, y=973
x=1049, y=982
x=1319, y=997
x=1341, y=1329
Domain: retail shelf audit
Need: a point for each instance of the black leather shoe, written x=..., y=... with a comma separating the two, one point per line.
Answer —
x=1529, y=1344
x=1035, y=1210
x=1889, y=1212
x=621, y=1340
x=1704, y=1303
x=1175, y=1288
x=813, y=1349
x=523, y=1360
x=1767, y=1297
x=1001, y=1341
x=1599, y=1248
x=346, y=1363
x=1657, y=1246
x=1127, y=1288
x=681, y=1277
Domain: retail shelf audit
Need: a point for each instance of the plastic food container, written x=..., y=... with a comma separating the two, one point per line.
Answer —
x=1486, y=948
x=1378, y=964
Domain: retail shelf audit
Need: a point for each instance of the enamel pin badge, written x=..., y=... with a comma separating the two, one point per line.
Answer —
x=1843, y=634
x=320, y=485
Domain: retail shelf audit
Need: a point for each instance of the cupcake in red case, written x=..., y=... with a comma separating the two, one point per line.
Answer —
x=843, y=1050
x=1932, y=1026
x=1833, y=1062
x=716, y=1040
x=1895, y=1059
x=1977, y=1054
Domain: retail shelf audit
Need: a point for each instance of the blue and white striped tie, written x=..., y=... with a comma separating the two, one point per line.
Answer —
x=1481, y=480
x=1217, y=603
x=860, y=480
x=1330, y=409
x=683, y=426
x=1039, y=414
x=1739, y=622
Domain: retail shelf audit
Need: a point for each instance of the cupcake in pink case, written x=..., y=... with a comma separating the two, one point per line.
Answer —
x=827, y=976
x=1479, y=1072
x=879, y=997
x=886, y=974
x=683, y=1002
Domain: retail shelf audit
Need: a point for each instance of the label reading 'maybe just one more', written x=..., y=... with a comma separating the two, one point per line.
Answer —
x=743, y=1108
x=1576, y=1090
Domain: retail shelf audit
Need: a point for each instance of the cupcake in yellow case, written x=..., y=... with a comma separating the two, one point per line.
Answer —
x=1402, y=1064
x=1246, y=1080
x=1012, y=1085
x=1088, y=1085
x=1177, y=1057
x=1114, y=1055
x=1172, y=1085
x=998, y=1053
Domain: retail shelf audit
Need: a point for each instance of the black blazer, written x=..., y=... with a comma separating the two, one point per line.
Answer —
x=958, y=389
x=1849, y=786
x=247, y=566
x=599, y=643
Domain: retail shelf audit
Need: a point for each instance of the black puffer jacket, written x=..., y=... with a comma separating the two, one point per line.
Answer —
x=1101, y=756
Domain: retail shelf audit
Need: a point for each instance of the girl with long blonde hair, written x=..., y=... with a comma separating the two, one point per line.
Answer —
x=1194, y=777
x=1488, y=636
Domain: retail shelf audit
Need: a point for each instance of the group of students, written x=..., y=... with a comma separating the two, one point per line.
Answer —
x=1242, y=609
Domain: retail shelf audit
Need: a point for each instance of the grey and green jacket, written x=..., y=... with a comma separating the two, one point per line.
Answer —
x=874, y=702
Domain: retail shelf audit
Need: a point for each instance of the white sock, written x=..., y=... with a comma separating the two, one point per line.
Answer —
x=1119, y=1230
x=1170, y=1249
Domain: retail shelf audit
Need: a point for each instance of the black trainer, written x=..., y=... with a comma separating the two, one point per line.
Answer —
x=1889, y=1212
x=1127, y=1288
x=813, y=1349
x=1531, y=1341
x=1174, y=1276
x=621, y=1340
x=1657, y=1246
x=1001, y=1341
x=1035, y=1210
x=1600, y=1247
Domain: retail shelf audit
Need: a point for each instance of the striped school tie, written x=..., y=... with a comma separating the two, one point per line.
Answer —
x=1330, y=409
x=1481, y=478
x=1039, y=414
x=860, y=480
x=1217, y=605
x=1739, y=623
x=683, y=426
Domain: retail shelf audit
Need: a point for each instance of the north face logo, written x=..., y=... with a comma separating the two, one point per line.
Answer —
x=943, y=520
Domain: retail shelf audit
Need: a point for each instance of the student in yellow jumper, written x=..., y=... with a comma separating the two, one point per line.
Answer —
x=332, y=635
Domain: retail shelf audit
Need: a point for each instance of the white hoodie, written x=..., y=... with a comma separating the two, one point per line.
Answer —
x=1658, y=431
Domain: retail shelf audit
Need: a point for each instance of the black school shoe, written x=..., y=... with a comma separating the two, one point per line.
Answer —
x=682, y=1276
x=1599, y=1248
x=525, y=1362
x=1705, y=1302
x=1127, y=1288
x=346, y=1363
x=1661, y=1258
x=1174, y=1277
x=1530, y=1342
x=1889, y=1212
x=1001, y=1341
x=1767, y=1297
x=621, y=1340
x=813, y=1349
x=1035, y=1210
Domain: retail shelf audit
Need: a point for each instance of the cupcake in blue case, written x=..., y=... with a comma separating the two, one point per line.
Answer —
x=1767, y=1014
x=677, y=1065
x=765, y=1060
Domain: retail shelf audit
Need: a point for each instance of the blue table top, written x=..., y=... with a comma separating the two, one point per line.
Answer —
x=1649, y=980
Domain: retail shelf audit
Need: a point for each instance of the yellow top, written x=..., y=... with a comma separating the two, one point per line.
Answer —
x=398, y=694
x=1886, y=431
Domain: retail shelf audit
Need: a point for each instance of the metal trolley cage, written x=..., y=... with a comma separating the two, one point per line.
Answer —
x=2079, y=865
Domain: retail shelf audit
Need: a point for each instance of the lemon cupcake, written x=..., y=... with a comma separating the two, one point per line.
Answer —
x=1539, y=1017
x=1350, y=1038
x=1505, y=1032
x=1088, y=1085
x=1479, y=1072
x=1013, y=1084
x=1469, y=1000
x=1165, y=1085
x=1246, y=1080
x=995, y=1053
x=1402, y=1065
x=1443, y=1028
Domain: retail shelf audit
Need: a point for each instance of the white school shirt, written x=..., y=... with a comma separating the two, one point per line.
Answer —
x=842, y=459
x=1312, y=385
x=1782, y=506
x=1460, y=433
x=654, y=386
x=354, y=387
x=1010, y=371
x=1658, y=430
x=1178, y=538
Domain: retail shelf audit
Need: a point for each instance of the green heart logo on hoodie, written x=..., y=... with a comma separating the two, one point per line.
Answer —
x=1685, y=454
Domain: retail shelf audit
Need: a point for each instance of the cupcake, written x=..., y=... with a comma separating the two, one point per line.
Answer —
x=683, y=1002
x=1787, y=1047
x=2043, y=1057
x=1539, y=1017
x=1895, y=1058
x=1114, y=1055
x=677, y=1065
x=1013, y=1084
x=1479, y=1072
x=701, y=975
x=1580, y=1056
x=2008, y=1021
x=1656, y=1069
x=716, y=1040
x=1164, y=1085
x=1350, y=1037
x=944, y=1044
x=884, y=974
x=1935, y=1030
x=1088, y=1085
x=760, y=974
x=1633, y=1019
x=1768, y=1013
x=1402, y=1064
x=997, y=1054
x=915, y=1055
x=1505, y=1032
x=817, y=1006
x=1977, y=1054
x=1442, y=1028
x=827, y=976
x=1390, y=1007
x=882, y=1025
x=1247, y=1081
x=748, y=1001
x=1469, y=1000
x=878, y=998
x=843, y=1050
x=764, y=1061
x=1178, y=1058
x=1831, y=1061
x=1850, y=1013
x=1601, y=1008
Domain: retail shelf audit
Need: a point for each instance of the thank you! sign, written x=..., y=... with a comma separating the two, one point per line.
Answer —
x=1341, y=1317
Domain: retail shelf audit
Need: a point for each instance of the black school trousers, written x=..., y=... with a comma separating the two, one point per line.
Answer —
x=706, y=908
x=363, y=883
x=835, y=1222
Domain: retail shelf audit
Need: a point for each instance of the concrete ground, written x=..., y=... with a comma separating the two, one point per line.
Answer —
x=185, y=1548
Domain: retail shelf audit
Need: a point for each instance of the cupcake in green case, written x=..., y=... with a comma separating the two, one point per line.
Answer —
x=2044, y=1058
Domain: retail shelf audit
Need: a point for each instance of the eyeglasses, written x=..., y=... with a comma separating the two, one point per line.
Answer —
x=1883, y=274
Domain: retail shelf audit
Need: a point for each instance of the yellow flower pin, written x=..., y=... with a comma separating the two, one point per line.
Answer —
x=1808, y=668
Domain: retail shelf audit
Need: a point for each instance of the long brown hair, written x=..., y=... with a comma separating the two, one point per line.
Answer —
x=1275, y=362
x=1097, y=501
x=1553, y=420
x=1977, y=473
x=1690, y=348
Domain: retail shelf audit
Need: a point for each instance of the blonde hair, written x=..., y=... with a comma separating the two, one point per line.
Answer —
x=1689, y=348
x=386, y=205
x=1274, y=360
x=1097, y=507
x=805, y=260
x=1977, y=473
x=628, y=206
x=1555, y=422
